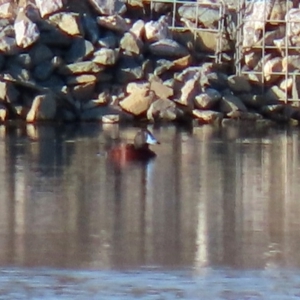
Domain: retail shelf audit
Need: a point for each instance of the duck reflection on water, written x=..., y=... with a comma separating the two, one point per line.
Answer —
x=138, y=151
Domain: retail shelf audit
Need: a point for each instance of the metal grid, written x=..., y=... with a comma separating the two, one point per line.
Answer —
x=178, y=25
x=275, y=46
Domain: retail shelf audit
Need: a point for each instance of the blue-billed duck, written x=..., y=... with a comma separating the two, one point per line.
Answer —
x=139, y=151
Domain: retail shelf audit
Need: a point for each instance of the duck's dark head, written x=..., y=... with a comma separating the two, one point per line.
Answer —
x=144, y=138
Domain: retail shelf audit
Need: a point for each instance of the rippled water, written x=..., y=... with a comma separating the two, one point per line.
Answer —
x=214, y=216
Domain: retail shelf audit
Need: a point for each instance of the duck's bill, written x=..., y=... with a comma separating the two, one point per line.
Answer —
x=151, y=140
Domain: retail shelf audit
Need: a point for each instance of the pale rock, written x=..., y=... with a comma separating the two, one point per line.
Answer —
x=134, y=86
x=137, y=102
x=109, y=7
x=106, y=57
x=131, y=43
x=6, y=10
x=103, y=99
x=8, y=93
x=26, y=31
x=207, y=116
x=188, y=93
x=89, y=67
x=207, y=99
x=111, y=119
x=168, y=48
x=67, y=22
x=230, y=103
x=3, y=113
x=239, y=84
x=138, y=28
x=274, y=93
x=43, y=108
x=157, y=30
x=81, y=79
x=114, y=23
x=286, y=84
x=162, y=110
x=160, y=89
x=47, y=7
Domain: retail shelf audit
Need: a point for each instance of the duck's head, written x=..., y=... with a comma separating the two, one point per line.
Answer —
x=144, y=138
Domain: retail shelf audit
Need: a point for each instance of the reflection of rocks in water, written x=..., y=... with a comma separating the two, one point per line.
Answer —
x=273, y=256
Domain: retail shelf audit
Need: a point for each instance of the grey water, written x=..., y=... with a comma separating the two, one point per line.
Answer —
x=215, y=216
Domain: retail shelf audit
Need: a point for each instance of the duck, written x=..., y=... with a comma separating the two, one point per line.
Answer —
x=138, y=151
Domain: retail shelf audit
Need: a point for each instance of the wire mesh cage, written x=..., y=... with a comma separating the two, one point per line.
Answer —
x=202, y=26
x=267, y=47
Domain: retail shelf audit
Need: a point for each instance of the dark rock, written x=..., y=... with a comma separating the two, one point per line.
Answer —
x=252, y=100
x=54, y=83
x=239, y=84
x=8, y=92
x=19, y=73
x=83, y=92
x=110, y=41
x=40, y=53
x=43, y=70
x=79, y=50
x=22, y=59
x=91, y=28
x=1, y=61
x=55, y=38
x=129, y=69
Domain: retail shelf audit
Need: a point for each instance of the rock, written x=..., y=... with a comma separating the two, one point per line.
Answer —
x=215, y=80
x=137, y=102
x=239, y=84
x=43, y=108
x=274, y=93
x=252, y=100
x=68, y=23
x=40, y=53
x=246, y=116
x=6, y=10
x=134, y=86
x=188, y=93
x=231, y=103
x=81, y=79
x=161, y=90
x=89, y=67
x=3, y=113
x=103, y=99
x=55, y=38
x=181, y=63
x=207, y=116
x=109, y=40
x=187, y=74
x=18, y=73
x=111, y=119
x=23, y=59
x=115, y=23
x=91, y=28
x=131, y=43
x=109, y=7
x=83, y=92
x=8, y=45
x=208, y=99
x=106, y=57
x=48, y=7
x=157, y=30
x=162, y=110
x=271, y=66
x=167, y=48
x=80, y=49
x=128, y=70
x=277, y=112
x=1, y=61
x=26, y=31
x=8, y=93
x=43, y=70
x=138, y=29
x=53, y=83
x=208, y=16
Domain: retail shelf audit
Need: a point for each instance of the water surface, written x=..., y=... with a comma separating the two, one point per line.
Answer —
x=214, y=216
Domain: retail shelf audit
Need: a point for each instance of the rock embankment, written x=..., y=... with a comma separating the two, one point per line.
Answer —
x=113, y=61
